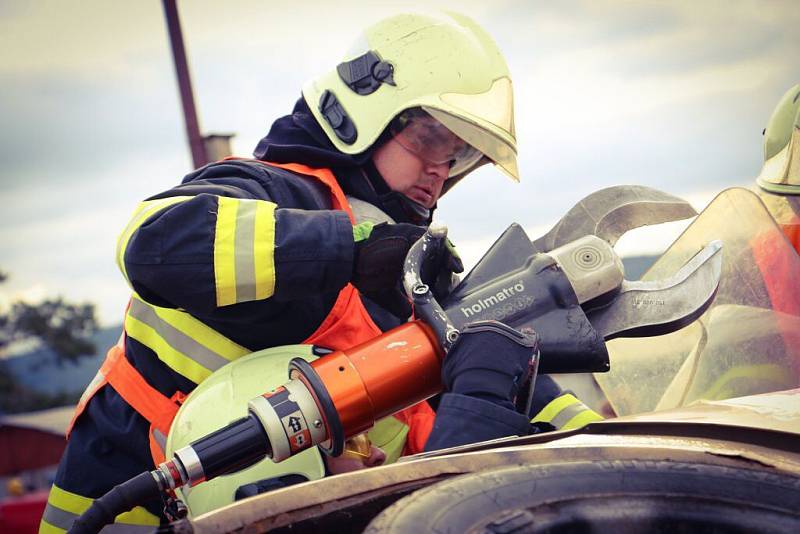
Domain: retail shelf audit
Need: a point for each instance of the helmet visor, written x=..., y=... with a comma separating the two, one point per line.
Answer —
x=502, y=154
x=781, y=172
x=432, y=141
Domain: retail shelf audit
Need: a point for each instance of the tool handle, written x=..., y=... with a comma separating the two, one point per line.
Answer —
x=426, y=306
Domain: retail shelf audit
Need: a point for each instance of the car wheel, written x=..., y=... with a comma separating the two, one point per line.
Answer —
x=603, y=496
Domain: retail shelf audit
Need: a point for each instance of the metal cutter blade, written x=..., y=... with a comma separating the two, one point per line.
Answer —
x=662, y=306
x=612, y=211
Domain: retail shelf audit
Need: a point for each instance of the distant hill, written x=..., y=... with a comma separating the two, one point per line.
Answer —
x=40, y=370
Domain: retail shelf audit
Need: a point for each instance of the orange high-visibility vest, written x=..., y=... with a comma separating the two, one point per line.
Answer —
x=348, y=324
x=791, y=230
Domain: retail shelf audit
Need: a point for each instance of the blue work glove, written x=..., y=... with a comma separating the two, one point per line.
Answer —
x=490, y=361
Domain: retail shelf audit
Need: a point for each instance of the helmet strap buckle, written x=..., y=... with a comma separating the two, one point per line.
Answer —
x=337, y=117
x=365, y=74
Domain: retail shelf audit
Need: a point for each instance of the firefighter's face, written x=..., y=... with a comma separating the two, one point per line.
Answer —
x=410, y=171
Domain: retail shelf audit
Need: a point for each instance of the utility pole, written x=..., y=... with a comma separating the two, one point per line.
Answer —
x=196, y=141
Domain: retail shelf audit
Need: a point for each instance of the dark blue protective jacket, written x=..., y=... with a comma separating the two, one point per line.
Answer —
x=170, y=257
x=462, y=419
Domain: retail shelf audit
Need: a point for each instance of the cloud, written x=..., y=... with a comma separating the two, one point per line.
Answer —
x=91, y=39
x=32, y=295
x=68, y=129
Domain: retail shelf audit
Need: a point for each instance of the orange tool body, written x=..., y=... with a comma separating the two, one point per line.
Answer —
x=382, y=376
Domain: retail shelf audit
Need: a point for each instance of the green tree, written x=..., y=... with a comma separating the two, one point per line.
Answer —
x=62, y=326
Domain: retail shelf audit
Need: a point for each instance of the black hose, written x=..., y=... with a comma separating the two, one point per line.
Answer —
x=120, y=499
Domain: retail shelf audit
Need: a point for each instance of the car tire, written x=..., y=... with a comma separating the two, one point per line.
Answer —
x=603, y=496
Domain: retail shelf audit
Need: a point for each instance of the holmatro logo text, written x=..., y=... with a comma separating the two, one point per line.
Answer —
x=492, y=300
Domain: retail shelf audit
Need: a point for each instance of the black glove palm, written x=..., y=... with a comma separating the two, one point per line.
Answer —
x=380, y=252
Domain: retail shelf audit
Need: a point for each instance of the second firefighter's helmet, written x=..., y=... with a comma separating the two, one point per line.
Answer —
x=781, y=171
x=444, y=64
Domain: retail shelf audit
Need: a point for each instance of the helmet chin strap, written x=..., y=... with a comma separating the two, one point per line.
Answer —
x=402, y=208
x=395, y=204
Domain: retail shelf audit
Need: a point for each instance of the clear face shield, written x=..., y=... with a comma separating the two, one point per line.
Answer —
x=433, y=142
x=438, y=137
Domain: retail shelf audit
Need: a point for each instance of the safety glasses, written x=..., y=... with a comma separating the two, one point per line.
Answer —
x=431, y=141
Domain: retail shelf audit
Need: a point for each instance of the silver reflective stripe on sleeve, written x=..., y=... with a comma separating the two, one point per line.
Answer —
x=567, y=413
x=244, y=248
x=243, y=259
x=175, y=338
x=57, y=517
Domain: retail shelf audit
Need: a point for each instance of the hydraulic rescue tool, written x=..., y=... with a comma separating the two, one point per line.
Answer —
x=568, y=286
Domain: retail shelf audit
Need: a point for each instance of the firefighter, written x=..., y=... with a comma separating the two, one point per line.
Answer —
x=249, y=254
x=767, y=357
x=779, y=180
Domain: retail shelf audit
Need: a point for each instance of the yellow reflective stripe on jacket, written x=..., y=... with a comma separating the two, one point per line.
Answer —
x=244, y=244
x=143, y=212
x=566, y=412
x=64, y=507
x=187, y=345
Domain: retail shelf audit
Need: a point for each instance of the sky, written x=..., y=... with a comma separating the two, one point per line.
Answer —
x=673, y=95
